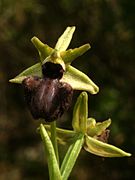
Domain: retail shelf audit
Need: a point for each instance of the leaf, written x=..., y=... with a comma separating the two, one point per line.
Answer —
x=34, y=70
x=43, y=49
x=80, y=113
x=96, y=129
x=71, y=54
x=103, y=149
x=64, y=40
x=71, y=156
x=63, y=136
x=79, y=81
x=54, y=171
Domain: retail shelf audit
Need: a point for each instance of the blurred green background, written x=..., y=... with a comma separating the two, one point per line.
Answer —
x=109, y=26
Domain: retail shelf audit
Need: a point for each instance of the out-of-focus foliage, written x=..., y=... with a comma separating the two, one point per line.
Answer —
x=109, y=27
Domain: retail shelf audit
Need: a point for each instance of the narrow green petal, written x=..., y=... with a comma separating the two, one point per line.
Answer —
x=43, y=49
x=79, y=81
x=103, y=149
x=71, y=54
x=64, y=136
x=34, y=70
x=54, y=171
x=96, y=129
x=80, y=113
x=71, y=156
x=64, y=40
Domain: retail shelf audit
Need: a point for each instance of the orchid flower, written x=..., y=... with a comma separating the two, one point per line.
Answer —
x=60, y=55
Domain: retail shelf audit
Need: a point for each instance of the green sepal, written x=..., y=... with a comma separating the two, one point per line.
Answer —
x=71, y=54
x=43, y=49
x=34, y=70
x=100, y=148
x=79, y=81
x=54, y=171
x=80, y=113
x=71, y=156
x=64, y=40
x=96, y=129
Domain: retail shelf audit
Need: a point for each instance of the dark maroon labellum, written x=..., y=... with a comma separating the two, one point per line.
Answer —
x=47, y=97
x=104, y=136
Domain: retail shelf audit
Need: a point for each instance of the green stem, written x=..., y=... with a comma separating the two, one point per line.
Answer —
x=54, y=139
